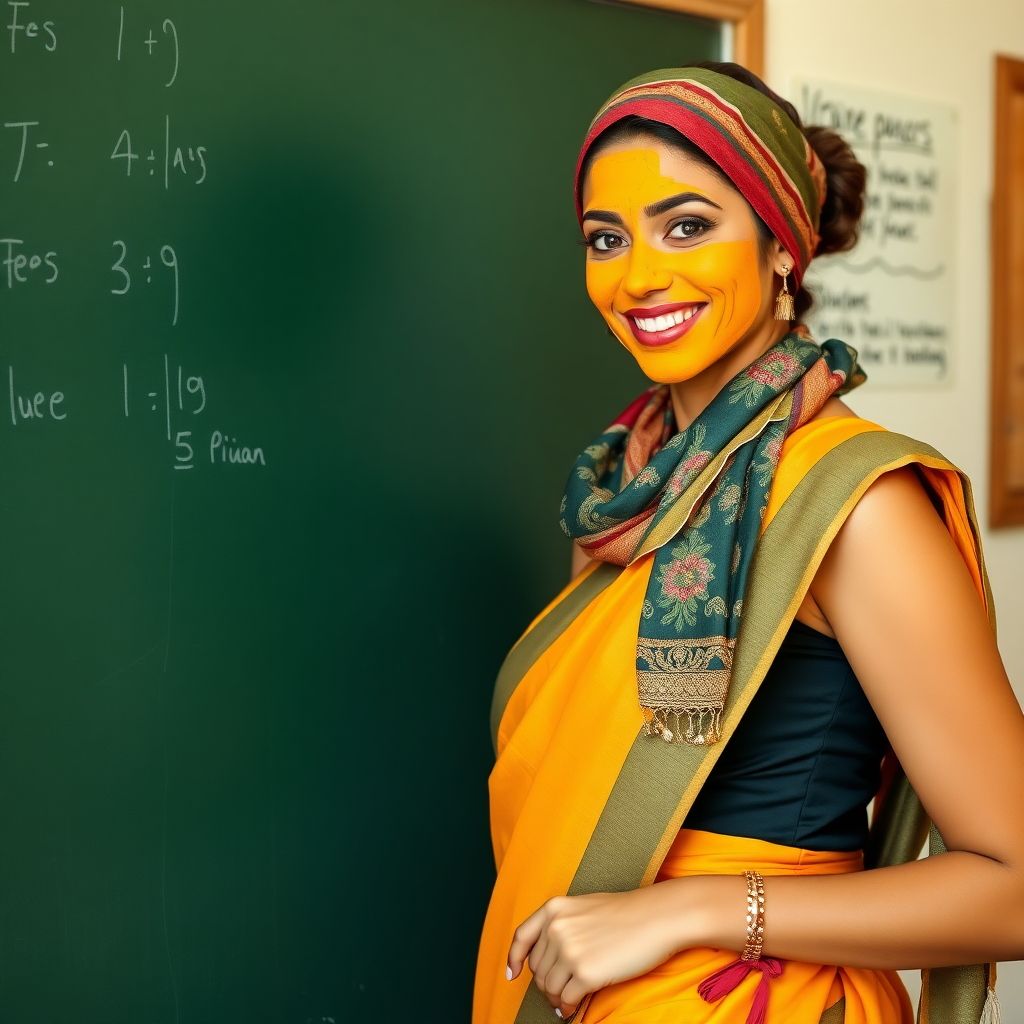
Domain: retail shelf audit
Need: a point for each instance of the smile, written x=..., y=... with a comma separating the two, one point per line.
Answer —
x=659, y=325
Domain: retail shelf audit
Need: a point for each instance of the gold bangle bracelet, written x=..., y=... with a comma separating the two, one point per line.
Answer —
x=755, y=916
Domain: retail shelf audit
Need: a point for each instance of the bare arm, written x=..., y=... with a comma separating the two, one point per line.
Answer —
x=898, y=597
x=901, y=603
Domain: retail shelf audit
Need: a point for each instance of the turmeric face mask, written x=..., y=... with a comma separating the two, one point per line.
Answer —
x=672, y=259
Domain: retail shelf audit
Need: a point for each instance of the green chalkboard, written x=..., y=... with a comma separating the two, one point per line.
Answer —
x=295, y=354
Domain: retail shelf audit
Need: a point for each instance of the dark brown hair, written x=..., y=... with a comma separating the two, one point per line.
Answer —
x=844, y=174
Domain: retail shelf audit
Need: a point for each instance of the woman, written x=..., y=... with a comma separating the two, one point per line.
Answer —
x=777, y=592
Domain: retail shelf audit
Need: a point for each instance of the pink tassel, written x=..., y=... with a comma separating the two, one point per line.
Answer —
x=722, y=982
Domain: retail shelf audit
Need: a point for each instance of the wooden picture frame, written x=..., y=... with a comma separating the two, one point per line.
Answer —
x=746, y=16
x=1006, y=447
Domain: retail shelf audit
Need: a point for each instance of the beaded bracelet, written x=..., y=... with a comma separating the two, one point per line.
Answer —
x=755, y=916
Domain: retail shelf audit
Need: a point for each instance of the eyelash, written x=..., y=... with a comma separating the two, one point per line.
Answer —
x=590, y=241
x=701, y=223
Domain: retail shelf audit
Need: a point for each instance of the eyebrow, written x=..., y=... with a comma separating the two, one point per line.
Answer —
x=605, y=215
x=654, y=210
x=664, y=205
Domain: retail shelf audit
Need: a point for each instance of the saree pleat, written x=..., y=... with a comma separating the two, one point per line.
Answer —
x=583, y=801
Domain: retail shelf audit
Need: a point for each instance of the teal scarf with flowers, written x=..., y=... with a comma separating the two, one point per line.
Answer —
x=696, y=498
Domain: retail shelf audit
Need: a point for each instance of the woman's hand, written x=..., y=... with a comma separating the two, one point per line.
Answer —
x=576, y=945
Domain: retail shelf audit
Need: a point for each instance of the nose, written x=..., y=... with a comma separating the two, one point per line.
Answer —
x=646, y=272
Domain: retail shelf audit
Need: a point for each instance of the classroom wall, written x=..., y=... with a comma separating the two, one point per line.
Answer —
x=938, y=50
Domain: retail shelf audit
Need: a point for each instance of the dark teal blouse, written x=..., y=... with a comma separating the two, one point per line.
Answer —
x=805, y=760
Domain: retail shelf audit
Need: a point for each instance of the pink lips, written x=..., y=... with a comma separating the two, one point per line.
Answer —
x=655, y=338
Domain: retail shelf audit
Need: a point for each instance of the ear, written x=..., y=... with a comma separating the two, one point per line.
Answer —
x=782, y=262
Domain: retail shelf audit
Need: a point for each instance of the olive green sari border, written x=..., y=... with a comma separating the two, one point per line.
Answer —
x=972, y=518
x=659, y=781
x=544, y=633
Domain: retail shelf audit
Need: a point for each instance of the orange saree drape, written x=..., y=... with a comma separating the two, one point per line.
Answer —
x=583, y=801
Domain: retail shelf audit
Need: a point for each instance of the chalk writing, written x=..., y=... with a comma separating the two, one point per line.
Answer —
x=123, y=283
x=231, y=452
x=25, y=30
x=173, y=399
x=23, y=128
x=188, y=160
x=181, y=392
x=34, y=407
x=185, y=453
x=168, y=36
x=21, y=266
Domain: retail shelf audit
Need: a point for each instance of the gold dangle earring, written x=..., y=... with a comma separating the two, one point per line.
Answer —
x=785, y=309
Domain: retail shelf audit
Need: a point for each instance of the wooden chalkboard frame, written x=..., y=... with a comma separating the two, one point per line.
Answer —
x=746, y=17
x=1006, y=496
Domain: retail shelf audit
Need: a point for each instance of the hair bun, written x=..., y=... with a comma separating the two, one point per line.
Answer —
x=846, y=178
x=845, y=175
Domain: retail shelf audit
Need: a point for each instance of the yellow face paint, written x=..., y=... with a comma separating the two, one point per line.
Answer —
x=677, y=303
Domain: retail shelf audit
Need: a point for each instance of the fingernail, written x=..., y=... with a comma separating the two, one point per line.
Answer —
x=508, y=973
x=558, y=1012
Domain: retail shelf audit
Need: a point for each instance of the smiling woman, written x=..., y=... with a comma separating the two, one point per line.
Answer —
x=688, y=737
x=707, y=262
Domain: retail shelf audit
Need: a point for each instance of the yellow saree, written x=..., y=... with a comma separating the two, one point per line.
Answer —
x=583, y=801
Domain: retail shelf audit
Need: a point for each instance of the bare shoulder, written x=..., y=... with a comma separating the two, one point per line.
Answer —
x=896, y=503
x=894, y=554
x=894, y=513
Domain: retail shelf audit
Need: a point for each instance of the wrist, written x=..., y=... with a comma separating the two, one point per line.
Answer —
x=708, y=910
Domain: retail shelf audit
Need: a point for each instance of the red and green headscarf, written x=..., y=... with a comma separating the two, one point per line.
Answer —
x=745, y=133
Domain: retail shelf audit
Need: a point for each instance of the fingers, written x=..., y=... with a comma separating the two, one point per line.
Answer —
x=565, y=1010
x=537, y=941
x=523, y=941
x=552, y=969
x=575, y=991
x=551, y=977
x=542, y=959
x=565, y=1005
x=554, y=983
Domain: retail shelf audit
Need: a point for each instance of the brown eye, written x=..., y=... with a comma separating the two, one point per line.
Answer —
x=606, y=241
x=689, y=227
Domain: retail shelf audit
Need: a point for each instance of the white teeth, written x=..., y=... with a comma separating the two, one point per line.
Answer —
x=655, y=325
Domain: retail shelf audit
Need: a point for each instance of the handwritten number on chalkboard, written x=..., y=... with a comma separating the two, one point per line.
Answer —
x=127, y=277
x=128, y=156
x=184, y=445
x=169, y=259
x=168, y=24
x=195, y=386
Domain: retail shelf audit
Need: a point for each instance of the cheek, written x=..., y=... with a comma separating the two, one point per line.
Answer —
x=729, y=273
x=726, y=274
x=603, y=279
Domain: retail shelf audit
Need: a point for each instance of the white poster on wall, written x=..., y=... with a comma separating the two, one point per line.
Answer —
x=892, y=296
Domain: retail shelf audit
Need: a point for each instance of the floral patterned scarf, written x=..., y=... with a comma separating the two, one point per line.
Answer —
x=697, y=497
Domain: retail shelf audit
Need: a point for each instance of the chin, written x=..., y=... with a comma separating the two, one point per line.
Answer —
x=672, y=367
x=674, y=363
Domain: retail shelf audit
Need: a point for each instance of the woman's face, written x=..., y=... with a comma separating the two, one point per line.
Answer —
x=672, y=259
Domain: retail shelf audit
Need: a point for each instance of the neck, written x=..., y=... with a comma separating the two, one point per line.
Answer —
x=691, y=397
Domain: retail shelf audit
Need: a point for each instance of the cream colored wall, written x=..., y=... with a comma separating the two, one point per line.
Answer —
x=940, y=50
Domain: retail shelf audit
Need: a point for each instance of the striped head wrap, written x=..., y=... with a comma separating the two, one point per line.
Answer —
x=745, y=133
